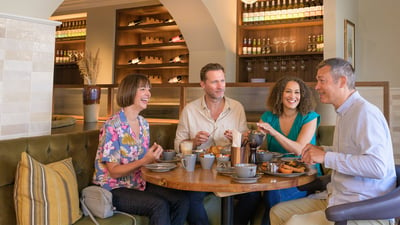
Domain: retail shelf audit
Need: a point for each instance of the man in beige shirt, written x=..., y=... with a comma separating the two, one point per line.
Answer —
x=207, y=121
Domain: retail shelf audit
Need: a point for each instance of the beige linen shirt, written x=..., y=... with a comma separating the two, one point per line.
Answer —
x=196, y=117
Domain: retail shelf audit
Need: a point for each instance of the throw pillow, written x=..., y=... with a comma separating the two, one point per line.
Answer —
x=46, y=194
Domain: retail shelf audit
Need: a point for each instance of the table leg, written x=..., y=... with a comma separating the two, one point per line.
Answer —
x=227, y=210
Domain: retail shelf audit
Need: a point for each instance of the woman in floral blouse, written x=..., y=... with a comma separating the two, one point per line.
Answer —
x=124, y=147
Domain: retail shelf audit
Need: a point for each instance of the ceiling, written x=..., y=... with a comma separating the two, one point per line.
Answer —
x=74, y=5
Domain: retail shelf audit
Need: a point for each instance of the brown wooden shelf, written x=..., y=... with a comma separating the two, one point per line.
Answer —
x=154, y=66
x=288, y=24
x=153, y=47
x=128, y=45
x=281, y=54
x=150, y=27
x=71, y=39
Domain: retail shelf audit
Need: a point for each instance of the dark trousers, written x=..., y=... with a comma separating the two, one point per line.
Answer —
x=197, y=212
x=246, y=207
x=162, y=205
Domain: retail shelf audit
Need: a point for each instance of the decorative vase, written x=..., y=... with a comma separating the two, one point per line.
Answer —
x=91, y=103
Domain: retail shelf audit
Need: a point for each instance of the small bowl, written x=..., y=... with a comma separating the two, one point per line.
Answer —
x=198, y=152
x=263, y=156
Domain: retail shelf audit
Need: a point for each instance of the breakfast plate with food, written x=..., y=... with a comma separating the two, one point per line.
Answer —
x=286, y=168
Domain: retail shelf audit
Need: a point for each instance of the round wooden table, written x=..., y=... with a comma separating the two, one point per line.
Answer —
x=221, y=185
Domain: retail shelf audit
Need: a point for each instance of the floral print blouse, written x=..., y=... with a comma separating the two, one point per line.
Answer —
x=117, y=143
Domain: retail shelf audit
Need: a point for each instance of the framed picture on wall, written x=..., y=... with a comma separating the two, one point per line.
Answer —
x=349, y=42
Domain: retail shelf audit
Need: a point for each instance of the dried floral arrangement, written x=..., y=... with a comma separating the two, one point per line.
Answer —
x=89, y=67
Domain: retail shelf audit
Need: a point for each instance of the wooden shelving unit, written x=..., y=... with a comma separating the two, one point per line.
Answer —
x=148, y=39
x=296, y=60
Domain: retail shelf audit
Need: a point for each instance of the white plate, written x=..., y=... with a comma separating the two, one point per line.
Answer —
x=246, y=180
x=160, y=167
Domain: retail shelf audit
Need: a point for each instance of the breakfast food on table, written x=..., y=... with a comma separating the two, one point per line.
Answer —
x=292, y=166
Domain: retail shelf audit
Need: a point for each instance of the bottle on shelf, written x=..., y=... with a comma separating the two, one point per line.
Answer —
x=301, y=10
x=245, y=14
x=170, y=20
x=268, y=47
x=250, y=19
x=273, y=12
x=261, y=15
x=137, y=60
x=313, y=9
x=176, y=79
x=245, y=47
x=306, y=9
x=256, y=13
x=284, y=12
x=178, y=38
x=254, y=47
x=267, y=13
x=319, y=11
x=258, y=46
x=183, y=58
x=263, y=47
x=135, y=22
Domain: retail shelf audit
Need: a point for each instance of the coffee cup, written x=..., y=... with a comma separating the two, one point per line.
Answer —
x=168, y=154
x=245, y=170
x=207, y=161
x=189, y=162
x=186, y=147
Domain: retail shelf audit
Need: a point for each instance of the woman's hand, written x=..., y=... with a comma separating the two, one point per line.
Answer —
x=153, y=153
x=266, y=128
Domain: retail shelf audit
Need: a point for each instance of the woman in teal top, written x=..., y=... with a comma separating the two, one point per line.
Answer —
x=299, y=121
x=290, y=124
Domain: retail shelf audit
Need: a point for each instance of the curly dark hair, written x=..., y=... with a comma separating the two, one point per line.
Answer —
x=307, y=98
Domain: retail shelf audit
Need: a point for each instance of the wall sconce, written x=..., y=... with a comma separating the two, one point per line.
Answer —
x=249, y=1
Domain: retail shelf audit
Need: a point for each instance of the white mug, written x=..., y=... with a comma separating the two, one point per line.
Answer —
x=189, y=162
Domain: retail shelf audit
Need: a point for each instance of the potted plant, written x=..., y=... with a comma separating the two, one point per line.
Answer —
x=89, y=68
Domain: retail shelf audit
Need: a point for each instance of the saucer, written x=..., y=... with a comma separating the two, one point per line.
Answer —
x=174, y=160
x=160, y=167
x=226, y=170
x=245, y=180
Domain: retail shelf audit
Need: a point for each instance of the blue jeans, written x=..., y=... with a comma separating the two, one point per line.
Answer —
x=274, y=197
x=162, y=205
x=197, y=213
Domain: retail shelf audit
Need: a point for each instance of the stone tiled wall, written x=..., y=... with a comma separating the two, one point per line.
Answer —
x=26, y=76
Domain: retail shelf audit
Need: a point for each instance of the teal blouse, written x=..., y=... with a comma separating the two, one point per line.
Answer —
x=273, y=120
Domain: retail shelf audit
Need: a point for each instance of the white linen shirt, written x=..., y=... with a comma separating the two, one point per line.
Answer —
x=196, y=117
x=362, y=153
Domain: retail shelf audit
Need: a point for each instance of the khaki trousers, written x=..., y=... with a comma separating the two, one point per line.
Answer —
x=308, y=211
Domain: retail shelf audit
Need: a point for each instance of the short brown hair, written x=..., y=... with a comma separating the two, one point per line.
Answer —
x=210, y=67
x=127, y=88
x=307, y=100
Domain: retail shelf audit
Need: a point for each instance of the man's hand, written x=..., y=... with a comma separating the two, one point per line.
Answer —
x=312, y=154
x=200, y=138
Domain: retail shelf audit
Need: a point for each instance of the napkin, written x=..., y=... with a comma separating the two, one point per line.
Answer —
x=236, y=138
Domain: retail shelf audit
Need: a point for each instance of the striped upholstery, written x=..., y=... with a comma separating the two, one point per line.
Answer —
x=46, y=194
